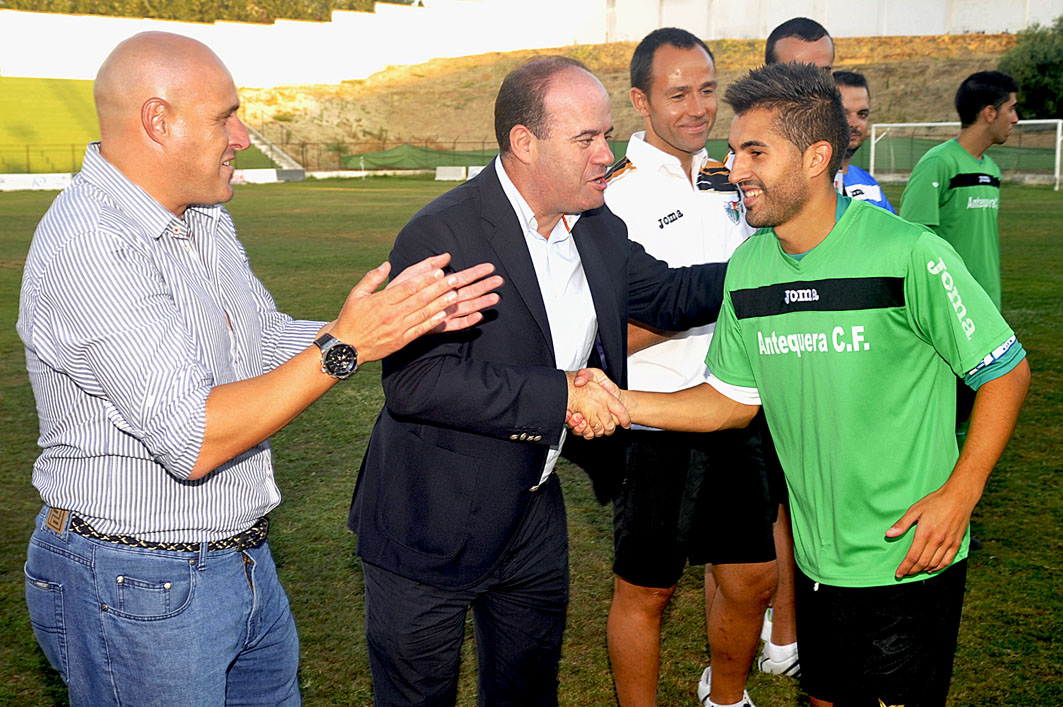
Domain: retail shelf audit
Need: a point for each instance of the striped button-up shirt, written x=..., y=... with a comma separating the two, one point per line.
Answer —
x=130, y=315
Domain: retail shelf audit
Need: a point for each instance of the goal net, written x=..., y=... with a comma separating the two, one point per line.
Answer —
x=1031, y=155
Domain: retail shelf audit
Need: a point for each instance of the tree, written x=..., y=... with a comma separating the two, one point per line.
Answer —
x=1036, y=63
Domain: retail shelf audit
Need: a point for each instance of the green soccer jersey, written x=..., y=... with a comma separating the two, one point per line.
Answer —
x=959, y=197
x=855, y=350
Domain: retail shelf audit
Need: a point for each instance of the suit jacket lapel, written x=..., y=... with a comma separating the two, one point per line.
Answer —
x=506, y=236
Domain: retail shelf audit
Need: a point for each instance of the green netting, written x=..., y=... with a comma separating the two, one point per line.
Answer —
x=408, y=156
x=900, y=155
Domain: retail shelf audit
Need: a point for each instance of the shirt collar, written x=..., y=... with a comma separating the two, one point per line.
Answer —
x=649, y=158
x=137, y=204
x=524, y=212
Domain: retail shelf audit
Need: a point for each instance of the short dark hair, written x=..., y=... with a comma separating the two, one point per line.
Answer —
x=642, y=59
x=981, y=89
x=521, y=97
x=853, y=80
x=806, y=103
x=801, y=27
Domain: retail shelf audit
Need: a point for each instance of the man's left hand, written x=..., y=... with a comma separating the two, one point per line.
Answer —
x=941, y=519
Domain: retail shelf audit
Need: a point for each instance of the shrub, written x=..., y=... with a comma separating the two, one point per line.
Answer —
x=1036, y=63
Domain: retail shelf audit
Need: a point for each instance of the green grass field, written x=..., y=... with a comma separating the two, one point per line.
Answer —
x=310, y=242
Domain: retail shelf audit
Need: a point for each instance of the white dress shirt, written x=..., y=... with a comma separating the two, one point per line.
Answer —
x=564, y=288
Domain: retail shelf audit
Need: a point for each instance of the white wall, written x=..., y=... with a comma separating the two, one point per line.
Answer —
x=754, y=19
x=352, y=46
x=356, y=44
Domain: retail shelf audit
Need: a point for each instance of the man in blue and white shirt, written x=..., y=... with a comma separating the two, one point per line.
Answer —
x=851, y=180
x=161, y=366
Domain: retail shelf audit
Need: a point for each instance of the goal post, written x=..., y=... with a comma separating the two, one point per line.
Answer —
x=1031, y=154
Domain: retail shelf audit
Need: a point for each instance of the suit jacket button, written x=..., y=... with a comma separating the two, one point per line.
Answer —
x=523, y=436
x=535, y=488
x=538, y=438
x=513, y=437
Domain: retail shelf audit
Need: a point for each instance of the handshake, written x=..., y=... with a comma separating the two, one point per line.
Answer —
x=596, y=405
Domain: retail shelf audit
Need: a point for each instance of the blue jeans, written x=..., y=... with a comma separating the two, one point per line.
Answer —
x=128, y=626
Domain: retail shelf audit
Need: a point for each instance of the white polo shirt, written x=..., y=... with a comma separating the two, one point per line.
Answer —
x=682, y=224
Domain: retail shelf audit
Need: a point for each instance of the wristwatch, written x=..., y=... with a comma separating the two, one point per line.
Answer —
x=338, y=359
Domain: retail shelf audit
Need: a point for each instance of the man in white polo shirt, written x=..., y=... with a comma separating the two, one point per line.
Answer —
x=672, y=504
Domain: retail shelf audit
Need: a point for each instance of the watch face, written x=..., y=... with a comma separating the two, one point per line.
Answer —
x=341, y=360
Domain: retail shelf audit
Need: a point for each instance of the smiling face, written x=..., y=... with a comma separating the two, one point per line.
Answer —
x=206, y=134
x=568, y=165
x=768, y=169
x=679, y=107
x=857, y=104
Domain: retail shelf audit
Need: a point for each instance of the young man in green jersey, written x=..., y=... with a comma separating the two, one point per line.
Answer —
x=849, y=325
x=805, y=41
x=955, y=187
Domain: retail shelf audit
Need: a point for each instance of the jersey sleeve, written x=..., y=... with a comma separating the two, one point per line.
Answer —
x=948, y=308
x=921, y=199
x=727, y=358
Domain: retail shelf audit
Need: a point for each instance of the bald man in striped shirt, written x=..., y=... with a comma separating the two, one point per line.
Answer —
x=161, y=367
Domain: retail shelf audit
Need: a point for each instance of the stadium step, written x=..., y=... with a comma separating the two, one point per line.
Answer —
x=281, y=158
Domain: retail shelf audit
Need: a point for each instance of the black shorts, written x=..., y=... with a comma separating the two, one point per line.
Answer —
x=780, y=495
x=894, y=643
x=701, y=498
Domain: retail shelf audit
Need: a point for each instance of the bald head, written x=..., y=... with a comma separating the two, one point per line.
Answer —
x=152, y=64
x=167, y=109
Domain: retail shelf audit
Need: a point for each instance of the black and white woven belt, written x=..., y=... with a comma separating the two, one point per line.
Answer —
x=250, y=538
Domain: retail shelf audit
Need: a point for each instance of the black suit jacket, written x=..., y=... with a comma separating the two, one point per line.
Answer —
x=469, y=416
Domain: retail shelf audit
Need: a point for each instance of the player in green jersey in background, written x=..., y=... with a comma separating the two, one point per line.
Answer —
x=955, y=189
x=849, y=325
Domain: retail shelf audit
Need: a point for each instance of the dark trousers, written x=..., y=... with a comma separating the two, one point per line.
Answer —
x=414, y=631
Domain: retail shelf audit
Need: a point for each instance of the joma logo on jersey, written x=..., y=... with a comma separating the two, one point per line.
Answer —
x=939, y=268
x=809, y=295
x=985, y=179
x=670, y=218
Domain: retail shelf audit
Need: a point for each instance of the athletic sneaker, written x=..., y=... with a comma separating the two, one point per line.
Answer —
x=705, y=687
x=791, y=666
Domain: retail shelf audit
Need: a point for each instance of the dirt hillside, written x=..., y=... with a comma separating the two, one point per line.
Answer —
x=448, y=101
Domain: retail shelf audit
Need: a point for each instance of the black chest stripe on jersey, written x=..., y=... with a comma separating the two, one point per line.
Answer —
x=974, y=179
x=840, y=295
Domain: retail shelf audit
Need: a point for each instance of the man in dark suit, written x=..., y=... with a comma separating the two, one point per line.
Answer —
x=456, y=504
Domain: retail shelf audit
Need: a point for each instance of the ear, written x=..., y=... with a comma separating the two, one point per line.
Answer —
x=989, y=113
x=154, y=119
x=522, y=143
x=817, y=158
x=641, y=102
